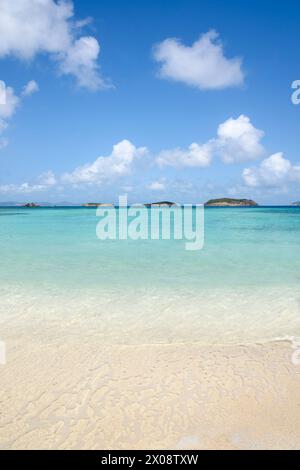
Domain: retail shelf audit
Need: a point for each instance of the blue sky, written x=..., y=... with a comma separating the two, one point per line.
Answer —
x=152, y=97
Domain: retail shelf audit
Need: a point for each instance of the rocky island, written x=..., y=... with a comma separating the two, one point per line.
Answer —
x=161, y=204
x=230, y=202
x=31, y=205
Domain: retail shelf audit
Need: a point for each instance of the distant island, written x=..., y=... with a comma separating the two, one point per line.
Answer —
x=31, y=204
x=161, y=204
x=97, y=204
x=220, y=202
x=230, y=202
x=296, y=204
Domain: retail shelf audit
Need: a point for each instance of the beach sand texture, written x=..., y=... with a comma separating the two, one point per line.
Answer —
x=77, y=394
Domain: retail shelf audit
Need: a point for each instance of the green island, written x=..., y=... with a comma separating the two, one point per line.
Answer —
x=231, y=202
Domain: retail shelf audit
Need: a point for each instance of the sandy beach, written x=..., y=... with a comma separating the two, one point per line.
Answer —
x=79, y=394
x=143, y=345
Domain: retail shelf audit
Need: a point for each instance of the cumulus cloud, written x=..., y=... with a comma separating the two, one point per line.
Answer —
x=117, y=164
x=202, y=65
x=81, y=61
x=44, y=182
x=237, y=141
x=32, y=27
x=9, y=106
x=102, y=171
x=274, y=171
x=194, y=156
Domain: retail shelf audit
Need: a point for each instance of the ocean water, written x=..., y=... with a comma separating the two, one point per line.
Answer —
x=243, y=286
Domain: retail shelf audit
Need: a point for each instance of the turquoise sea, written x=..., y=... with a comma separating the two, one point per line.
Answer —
x=243, y=286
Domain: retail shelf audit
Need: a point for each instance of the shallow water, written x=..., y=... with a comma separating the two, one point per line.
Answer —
x=243, y=286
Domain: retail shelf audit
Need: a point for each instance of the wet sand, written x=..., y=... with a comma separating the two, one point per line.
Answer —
x=71, y=392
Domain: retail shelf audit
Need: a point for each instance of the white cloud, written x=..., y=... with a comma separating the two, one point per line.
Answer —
x=235, y=137
x=11, y=103
x=237, y=141
x=47, y=179
x=194, y=156
x=32, y=27
x=7, y=110
x=44, y=182
x=157, y=186
x=102, y=171
x=30, y=88
x=81, y=61
x=117, y=164
x=275, y=171
x=172, y=186
x=202, y=65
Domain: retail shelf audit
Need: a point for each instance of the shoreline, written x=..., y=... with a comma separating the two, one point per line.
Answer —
x=137, y=316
